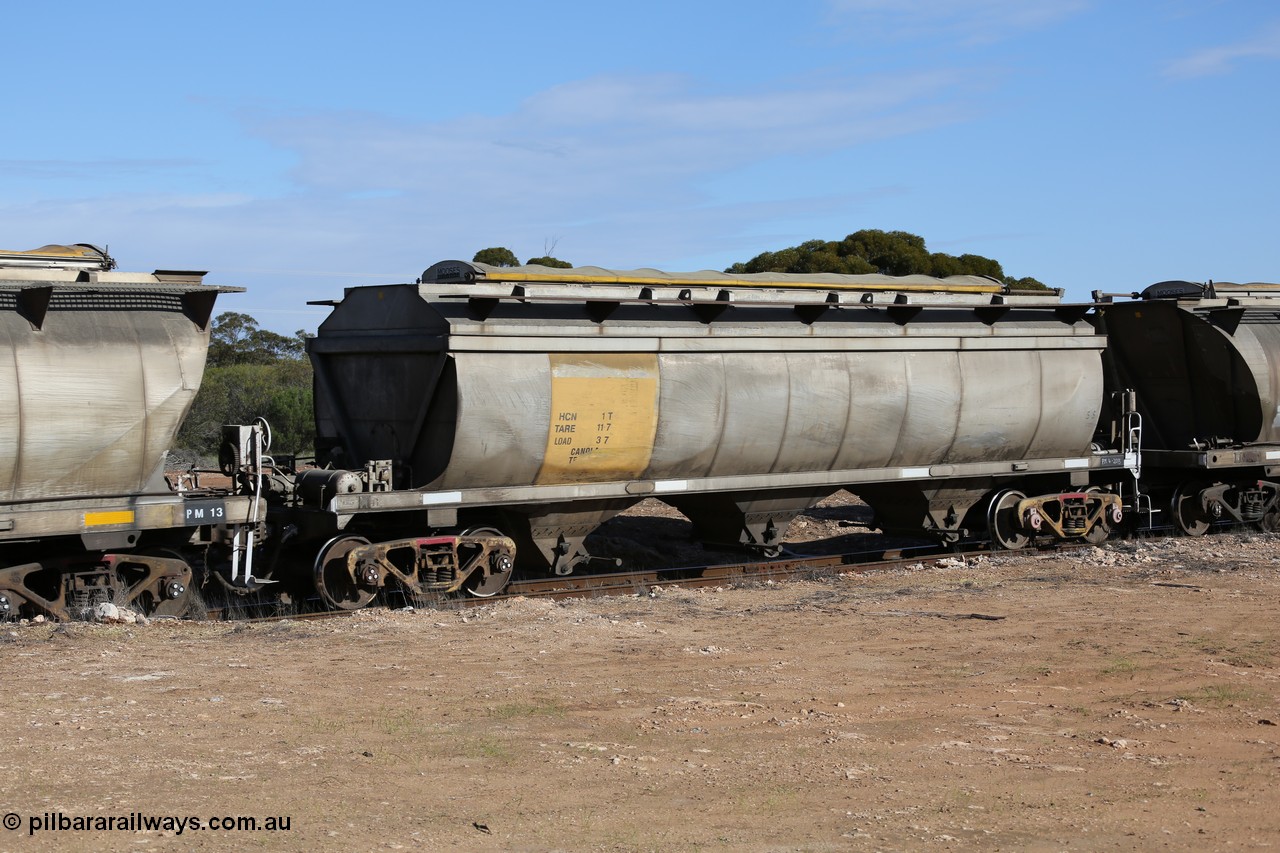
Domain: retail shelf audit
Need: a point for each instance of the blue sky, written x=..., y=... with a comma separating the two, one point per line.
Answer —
x=299, y=148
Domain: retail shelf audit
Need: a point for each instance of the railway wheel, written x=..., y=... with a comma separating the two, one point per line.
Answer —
x=1099, y=533
x=1101, y=530
x=175, y=597
x=1188, y=513
x=501, y=567
x=334, y=583
x=1002, y=521
x=153, y=582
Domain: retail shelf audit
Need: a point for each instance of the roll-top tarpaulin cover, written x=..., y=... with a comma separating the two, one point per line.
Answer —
x=54, y=256
x=456, y=271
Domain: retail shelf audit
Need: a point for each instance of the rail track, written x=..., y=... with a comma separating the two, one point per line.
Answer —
x=786, y=568
x=623, y=583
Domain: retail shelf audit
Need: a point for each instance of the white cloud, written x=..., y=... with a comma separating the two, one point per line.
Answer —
x=626, y=140
x=1224, y=58
x=81, y=169
x=615, y=168
x=973, y=21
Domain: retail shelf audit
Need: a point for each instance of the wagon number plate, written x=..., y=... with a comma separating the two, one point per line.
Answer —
x=205, y=512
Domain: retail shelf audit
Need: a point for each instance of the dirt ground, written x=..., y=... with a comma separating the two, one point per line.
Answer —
x=1122, y=698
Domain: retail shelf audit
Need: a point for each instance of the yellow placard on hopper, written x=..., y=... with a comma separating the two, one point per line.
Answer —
x=604, y=415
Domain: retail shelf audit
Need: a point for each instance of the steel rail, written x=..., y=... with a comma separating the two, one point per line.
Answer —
x=641, y=580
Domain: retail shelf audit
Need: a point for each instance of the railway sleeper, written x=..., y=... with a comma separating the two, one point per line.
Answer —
x=64, y=589
x=350, y=570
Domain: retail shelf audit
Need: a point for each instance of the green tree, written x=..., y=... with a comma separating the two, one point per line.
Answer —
x=238, y=393
x=943, y=265
x=814, y=256
x=890, y=252
x=876, y=251
x=1027, y=283
x=548, y=261
x=251, y=373
x=236, y=339
x=978, y=265
x=496, y=256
